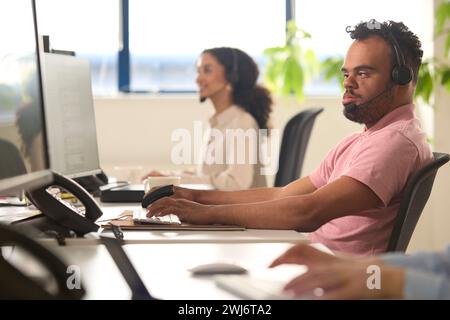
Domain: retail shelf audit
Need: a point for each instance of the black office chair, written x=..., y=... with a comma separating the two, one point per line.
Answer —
x=416, y=194
x=293, y=146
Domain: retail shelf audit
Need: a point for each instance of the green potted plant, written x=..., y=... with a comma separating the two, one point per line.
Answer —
x=290, y=67
x=435, y=72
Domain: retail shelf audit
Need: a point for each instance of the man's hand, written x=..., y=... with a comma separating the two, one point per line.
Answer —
x=184, y=193
x=187, y=211
x=180, y=193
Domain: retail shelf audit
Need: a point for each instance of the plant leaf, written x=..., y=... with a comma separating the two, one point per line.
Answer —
x=331, y=69
x=447, y=45
x=425, y=83
x=445, y=78
x=274, y=51
x=293, y=80
x=288, y=66
x=311, y=64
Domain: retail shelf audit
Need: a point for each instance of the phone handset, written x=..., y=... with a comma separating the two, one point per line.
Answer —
x=60, y=213
x=18, y=285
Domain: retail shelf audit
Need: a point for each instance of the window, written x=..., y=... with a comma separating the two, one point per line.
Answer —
x=326, y=21
x=166, y=37
x=91, y=29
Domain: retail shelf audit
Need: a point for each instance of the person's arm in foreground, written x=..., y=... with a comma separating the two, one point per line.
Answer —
x=427, y=274
x=330, y=277
x=304, y=212
x=435, y=262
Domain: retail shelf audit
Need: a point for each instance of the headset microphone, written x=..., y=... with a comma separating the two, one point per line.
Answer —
x=352, y=106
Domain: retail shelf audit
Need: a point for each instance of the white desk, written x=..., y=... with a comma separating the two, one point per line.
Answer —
x=111, y=210
x=164, y=267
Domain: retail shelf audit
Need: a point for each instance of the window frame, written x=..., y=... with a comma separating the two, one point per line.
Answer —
x=124, y=62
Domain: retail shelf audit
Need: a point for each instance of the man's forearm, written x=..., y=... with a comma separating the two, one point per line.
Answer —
x=293, y=213
x=236, y=197
x=298, y=187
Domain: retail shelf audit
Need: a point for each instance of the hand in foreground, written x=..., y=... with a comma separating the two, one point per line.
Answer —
x=331, y=277
x=304, y=254
x=349, y=280
x=187, y=211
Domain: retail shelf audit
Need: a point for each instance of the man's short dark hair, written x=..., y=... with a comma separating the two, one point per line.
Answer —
x=408, y=42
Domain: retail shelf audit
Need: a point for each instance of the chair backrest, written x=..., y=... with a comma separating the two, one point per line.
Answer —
x=293, y=146
x=415, y=196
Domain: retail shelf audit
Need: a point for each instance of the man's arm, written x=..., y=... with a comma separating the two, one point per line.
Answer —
x=305, y=212
x=298, y=187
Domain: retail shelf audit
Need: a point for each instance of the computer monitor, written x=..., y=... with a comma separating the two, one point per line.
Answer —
x=70, y=116
x=23, y=160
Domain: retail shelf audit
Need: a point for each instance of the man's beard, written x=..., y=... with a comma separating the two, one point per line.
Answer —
x=372, y=112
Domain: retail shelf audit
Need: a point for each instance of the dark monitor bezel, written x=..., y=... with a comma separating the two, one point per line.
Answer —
x=83, y=174
x=32, y=180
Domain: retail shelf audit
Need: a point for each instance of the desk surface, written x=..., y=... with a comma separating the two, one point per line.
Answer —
x=164, y=267
x=113, y=210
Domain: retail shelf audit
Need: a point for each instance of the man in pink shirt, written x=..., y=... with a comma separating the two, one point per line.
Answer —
x=350, y=201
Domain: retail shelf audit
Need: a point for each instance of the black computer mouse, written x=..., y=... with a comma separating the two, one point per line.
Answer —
x=152, y=196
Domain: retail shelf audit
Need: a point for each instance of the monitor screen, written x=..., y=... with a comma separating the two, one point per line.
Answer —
x=70, y=117
x=22, y=134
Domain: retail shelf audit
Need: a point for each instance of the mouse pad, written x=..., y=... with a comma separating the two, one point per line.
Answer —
x=125, y=222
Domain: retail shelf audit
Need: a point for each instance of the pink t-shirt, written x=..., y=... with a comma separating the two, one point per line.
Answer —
x=382, y=157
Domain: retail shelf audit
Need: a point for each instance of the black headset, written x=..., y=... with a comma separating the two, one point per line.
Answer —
x=401, y=74
x=233, y=76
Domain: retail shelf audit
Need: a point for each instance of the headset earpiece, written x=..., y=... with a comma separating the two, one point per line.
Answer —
x=233, y=76
x=401, y=74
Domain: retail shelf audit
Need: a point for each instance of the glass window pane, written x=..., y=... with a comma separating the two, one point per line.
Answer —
x=91, y=29
x=166, y=37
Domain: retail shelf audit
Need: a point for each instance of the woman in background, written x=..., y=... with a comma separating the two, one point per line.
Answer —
x=227, y=76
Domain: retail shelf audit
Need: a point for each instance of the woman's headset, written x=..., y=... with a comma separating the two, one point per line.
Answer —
x=233, y=76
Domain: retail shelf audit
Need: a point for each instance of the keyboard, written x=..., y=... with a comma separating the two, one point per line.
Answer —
x=140, y=217
x=253, y=288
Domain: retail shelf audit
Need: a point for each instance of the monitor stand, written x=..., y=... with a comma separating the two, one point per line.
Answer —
x=93, y=183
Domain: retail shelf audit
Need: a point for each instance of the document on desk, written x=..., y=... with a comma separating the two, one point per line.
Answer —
x=125, y=222
x=12, y=214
